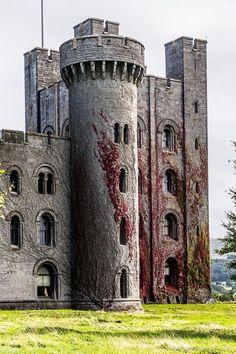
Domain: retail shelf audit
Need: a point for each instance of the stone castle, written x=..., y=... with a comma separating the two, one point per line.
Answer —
x=106, y=194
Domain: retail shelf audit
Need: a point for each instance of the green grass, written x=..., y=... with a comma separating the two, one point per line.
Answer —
x=161, y=329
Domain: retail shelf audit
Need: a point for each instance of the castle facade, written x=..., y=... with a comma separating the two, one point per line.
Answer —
x=105, y=197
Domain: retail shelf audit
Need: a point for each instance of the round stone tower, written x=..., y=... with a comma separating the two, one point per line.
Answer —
x=102, y=71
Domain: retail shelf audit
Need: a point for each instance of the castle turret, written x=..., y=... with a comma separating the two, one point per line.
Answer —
x=41, y=71
x=186, y=60
x=102, y=71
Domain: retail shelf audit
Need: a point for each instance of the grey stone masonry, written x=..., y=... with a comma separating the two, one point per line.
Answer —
x=106, y=194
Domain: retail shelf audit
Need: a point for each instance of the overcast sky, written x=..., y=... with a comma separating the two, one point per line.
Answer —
x=154, y=23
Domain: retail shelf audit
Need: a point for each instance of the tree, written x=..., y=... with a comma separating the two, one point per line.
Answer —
x=229, y=241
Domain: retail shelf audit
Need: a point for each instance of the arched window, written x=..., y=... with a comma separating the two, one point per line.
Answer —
x=123, y=181
x=117, y=133
x=41, y=186
x=170, y=182
x=48, y=130
x=139, y=135
x=171, y=273
x=168, y=138
x=65, y=130
x=46, y=230
x=126, y=134
x=46, y=282
x=140, y=184
x=46, y=181
x=14, y=182
x=15, y=231
x=124, y=284
x=123, y=232
x=170, y=226
x=196, y=144
x=50, y=183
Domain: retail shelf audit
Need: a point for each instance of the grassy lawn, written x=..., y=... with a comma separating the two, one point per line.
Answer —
x=161, y=329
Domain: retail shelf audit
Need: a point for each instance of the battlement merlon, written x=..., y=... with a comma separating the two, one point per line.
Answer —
x=177, y=52
x=44, y=53
x=93, y=26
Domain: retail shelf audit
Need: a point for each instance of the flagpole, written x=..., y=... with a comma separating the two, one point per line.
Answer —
x=42, y=32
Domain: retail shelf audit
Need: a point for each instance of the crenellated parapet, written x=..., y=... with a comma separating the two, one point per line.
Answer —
x=99, y=53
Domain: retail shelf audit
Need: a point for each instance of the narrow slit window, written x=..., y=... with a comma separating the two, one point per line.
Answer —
x=15, y=231
x=126, y=134
x=123, y=181
x=196, y=144
x=198, y=230
x=41, y=183
x=117, y=133
x=197, y=187
x=123, y=232
x=49, y=183
x=124, y=284
x=196, y=107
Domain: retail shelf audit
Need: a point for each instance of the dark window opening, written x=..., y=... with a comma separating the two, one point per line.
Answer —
x=14, y=182
x=46, y=282
x=67, y=131
x=123, y=232
x=124, y=284
x=196, y=144
x=139, y=135
x=126, y=134
x=46, y=230
x=171, y=273
x=15, y=231
x=41, y=188
x=123, y=181
x=49, y=183
x=170, y=226
x=168, y=138
x=197, y=187
x=170, y=182
x=198, y=230
x=196, y=106
x=140, y=185
x=117, y=133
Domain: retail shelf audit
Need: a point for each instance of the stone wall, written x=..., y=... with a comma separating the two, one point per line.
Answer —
x=29, y=156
